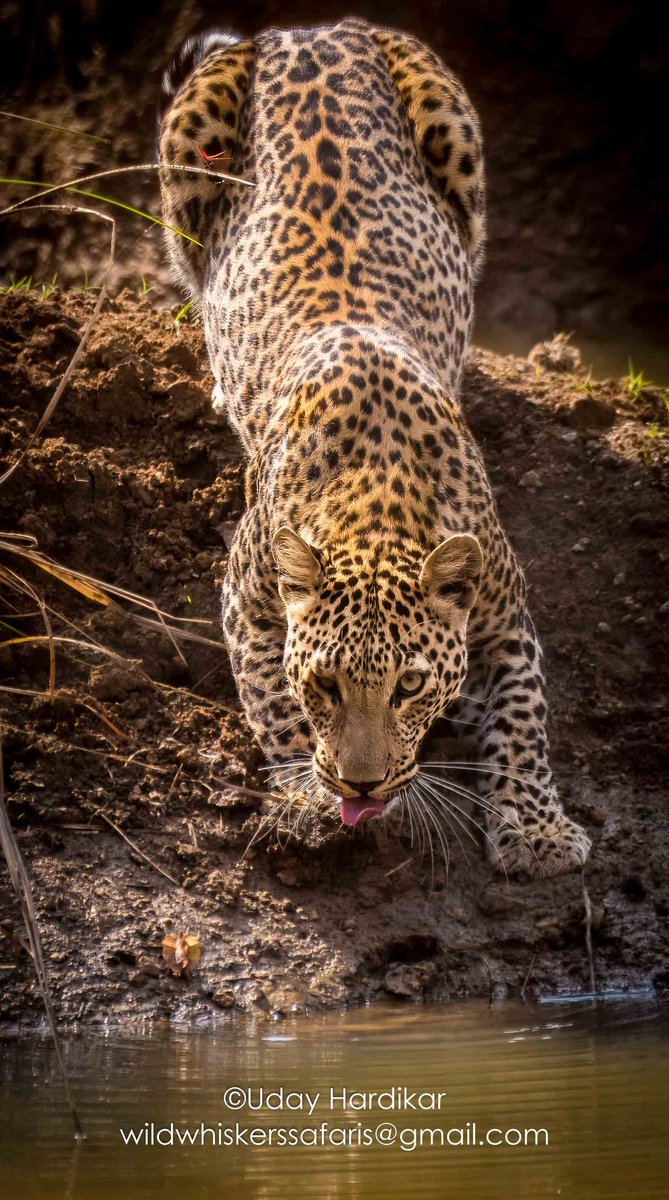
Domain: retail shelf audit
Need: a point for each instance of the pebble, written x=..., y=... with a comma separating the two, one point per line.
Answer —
x=287, y=878
x=224, y=998
x=618, y=579
x=531, y=479
x=664, y=608
x=149, y=968
x=590, y=413
x=188, y=399
x=603, y=627
x=410, y=979
x=581, y=546
x=569, y=436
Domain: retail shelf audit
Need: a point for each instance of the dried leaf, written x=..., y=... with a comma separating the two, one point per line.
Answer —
x=182, y=952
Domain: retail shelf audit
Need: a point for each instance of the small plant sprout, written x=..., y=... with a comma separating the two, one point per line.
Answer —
x=146, y=287
x=49, y=288
x=585, y=385
x=88, y=286
x=656, y=431
x=23, y=284
x=183, y=315
x=636, y=381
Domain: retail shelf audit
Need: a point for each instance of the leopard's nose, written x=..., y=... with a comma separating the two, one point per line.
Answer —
x=363, y=787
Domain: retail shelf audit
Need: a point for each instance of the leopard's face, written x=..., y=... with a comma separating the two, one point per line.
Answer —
x=374, y=653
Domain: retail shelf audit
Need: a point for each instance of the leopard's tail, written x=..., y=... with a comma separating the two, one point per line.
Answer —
x=192, y=53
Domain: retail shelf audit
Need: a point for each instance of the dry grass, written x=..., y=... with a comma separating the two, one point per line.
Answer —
x=22, y=562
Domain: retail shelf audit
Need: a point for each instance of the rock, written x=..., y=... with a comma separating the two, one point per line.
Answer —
x=581, y=546
x=569, y=436
x=288, y=878
x=187, y=399
x=180, y=357
x=556, y=354
x=286, y=1000
x=149, y=967
x=664, y=608
x=410, y=979
x=496, y=900
x=224, y=998
x=597, y=916
x=587, y=412
x=603, y=627
x=531, y=479
x=113, y=683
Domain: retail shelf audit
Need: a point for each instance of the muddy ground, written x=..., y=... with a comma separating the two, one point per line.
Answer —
x=137, y=482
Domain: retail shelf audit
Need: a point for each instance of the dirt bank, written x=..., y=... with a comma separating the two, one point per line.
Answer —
x=138, y=483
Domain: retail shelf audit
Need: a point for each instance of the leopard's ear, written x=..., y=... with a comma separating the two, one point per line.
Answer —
x=450, y=576
x=202, y=99
x=298, y=566
x=446, y=131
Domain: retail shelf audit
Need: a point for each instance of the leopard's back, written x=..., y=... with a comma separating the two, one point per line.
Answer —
x=366, y=208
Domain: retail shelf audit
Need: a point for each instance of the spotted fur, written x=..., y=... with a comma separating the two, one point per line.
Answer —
x=336, y=293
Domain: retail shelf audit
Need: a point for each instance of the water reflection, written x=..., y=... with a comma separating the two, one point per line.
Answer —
x=596, y=1080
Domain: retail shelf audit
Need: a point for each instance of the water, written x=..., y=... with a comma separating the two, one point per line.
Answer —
x=595, y=1079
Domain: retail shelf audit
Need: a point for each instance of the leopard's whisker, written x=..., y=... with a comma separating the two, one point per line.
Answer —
x=287, y=762
x=444, y=801
x=289, y=724
x=408, y=809
x=465, y=765
x=487, y=769
x=267, y=824
x=488, y=807
x=421, y=813
x=483, y=802
x=451, y=804
x=443, y=813
x=428, y=834
x=436, y=825
x=457, y=721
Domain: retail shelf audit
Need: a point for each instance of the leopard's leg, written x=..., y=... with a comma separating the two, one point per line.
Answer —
x=527, y=829
x=254, y=625
x=256, y=646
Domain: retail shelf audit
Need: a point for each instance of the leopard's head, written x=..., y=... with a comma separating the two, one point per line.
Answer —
x=375, y=651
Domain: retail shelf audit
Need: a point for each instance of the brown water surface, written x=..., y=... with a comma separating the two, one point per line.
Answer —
x=592, y=1082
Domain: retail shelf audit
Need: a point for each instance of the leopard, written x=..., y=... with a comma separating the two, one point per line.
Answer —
x=323, y=191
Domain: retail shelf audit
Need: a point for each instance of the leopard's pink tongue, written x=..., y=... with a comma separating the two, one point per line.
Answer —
x=359, y=808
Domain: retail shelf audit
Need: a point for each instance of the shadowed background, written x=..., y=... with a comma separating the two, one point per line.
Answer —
x=571, y=98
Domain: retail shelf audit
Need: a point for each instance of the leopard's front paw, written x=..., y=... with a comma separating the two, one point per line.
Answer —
x=551, y=846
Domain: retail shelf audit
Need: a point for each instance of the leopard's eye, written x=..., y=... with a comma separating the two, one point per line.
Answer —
x=410, y=683
x=328, y=685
